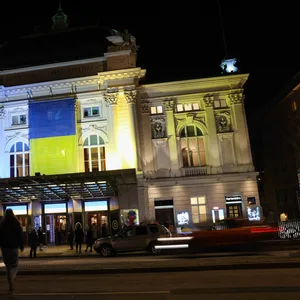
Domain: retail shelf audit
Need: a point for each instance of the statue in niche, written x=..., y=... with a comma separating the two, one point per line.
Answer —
x=158, y=129
x=223, y=122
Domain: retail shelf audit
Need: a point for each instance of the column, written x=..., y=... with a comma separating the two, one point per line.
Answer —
x=132, y=158
x=113, y=159
x=213, y=145
x=171, y=134
x=241, y=138
x=146, y=135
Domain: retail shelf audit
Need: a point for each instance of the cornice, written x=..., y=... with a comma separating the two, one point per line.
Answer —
x=122, y=74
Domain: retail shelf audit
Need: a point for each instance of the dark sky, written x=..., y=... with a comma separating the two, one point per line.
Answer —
x=185, y=42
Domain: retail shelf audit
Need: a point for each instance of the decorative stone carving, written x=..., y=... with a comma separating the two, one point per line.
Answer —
x=236, y=98
x=122, y=41
x=130, y=96
x=209, y=101
x=111, y=98
x=73, y=88
x=2, y=112
x=16, y=135
x=29, y=94
x=223, y=121
x=158, y=128
x=145, y=107
x=169, y=104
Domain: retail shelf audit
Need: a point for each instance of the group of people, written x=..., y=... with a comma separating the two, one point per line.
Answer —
x=90, y=235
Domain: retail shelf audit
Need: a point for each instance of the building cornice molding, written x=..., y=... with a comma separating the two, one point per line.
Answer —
x=53, y=66
x=135, y=73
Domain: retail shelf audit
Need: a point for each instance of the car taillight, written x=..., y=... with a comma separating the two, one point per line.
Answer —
x=264, y=230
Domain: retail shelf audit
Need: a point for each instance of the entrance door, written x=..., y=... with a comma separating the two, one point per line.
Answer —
x=24, y=224
x=97, y=218
x=56, y=229
x=164, y=212
x=234, y=210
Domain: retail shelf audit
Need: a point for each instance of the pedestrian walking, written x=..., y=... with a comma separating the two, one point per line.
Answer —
x=89, y=239
x=11, y=240
x=78, y=237
x=41, y=238
x=104, y=230
x=33, y=242
x=71, y=237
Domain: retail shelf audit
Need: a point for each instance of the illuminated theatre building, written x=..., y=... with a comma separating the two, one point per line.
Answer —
x=85, y=141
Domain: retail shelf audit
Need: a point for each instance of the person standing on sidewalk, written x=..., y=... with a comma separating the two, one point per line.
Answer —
x=11, y=240
x=33, y=242
x=95, y=232
x=89, y=239
x=79, y=235
x=41, y=238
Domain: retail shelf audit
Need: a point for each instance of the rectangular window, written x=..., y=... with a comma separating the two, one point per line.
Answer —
x=156, y=110
x=220, y=103
x=19, y=120
x=92, y=111
x=196, y=106
x=187, y=107
x=294, y=105
x=179, y=107
x=198, y=207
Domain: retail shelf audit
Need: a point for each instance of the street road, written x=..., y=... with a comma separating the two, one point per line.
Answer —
x=213, y=285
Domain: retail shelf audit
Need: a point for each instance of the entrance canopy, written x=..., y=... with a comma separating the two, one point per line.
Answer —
x=85, y=186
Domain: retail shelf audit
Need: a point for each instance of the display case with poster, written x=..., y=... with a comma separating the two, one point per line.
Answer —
x=130, y=217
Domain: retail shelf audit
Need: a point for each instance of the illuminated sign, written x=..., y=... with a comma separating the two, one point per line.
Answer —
x=95, y=206
x=253, y=213
x=183, y=218
x=234, y=198
x=18, y=209
x=55, y=208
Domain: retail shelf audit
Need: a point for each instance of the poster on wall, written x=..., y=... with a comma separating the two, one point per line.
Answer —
x=130, y=217
x=253, y=213
x=183, y=218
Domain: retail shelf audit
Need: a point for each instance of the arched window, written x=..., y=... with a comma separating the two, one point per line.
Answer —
x=19, y=160
x=94, y=154
x=192, y=147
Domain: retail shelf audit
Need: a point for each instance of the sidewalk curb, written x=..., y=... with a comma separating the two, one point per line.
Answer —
x=281, y=265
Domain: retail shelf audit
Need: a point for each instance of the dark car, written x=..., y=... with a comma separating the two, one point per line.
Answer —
x=133, y=238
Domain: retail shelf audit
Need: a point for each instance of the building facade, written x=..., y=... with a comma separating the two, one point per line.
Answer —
x=187, y=143
x=281, y=160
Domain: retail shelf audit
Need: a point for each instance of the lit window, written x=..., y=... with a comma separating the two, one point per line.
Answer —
x=91, y=111
x=179, y=107
x=19, y=160
x=94, y=154
x=196, y=106
x=198, y=206
x=187, y=107
x=19, y=120
x=220, y=103
x=192, y=147
x=156, y=110
x=294, y=105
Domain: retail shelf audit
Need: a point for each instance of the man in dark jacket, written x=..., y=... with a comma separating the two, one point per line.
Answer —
x=33, y=243
x=11, y=240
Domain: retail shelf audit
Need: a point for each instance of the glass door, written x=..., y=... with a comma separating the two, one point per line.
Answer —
x=234, y=210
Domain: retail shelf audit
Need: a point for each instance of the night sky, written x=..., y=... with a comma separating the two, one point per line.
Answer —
x=186, y=42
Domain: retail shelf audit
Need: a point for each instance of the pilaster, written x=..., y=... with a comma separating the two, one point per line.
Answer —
x=213, y=146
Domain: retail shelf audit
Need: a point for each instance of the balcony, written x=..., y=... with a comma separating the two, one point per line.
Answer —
x=196, y=171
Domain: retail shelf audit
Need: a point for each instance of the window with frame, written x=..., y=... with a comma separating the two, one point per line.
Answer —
x=220, y=103
x=94, y=154
x=192, y=147
x=156, y=110
x=198, y=207
x=19, y=120
x=187, y=107
x=19, y=160
x=92, y=111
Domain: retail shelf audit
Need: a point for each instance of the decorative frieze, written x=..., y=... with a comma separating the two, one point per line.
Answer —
x=2, y=112
x=208, y=100
x=169, y=104
x=236, y=98
x=130, y=96
x=111, y=98
x=145, y=107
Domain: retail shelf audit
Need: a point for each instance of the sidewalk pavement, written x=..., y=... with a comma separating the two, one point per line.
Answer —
x=62, y=265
